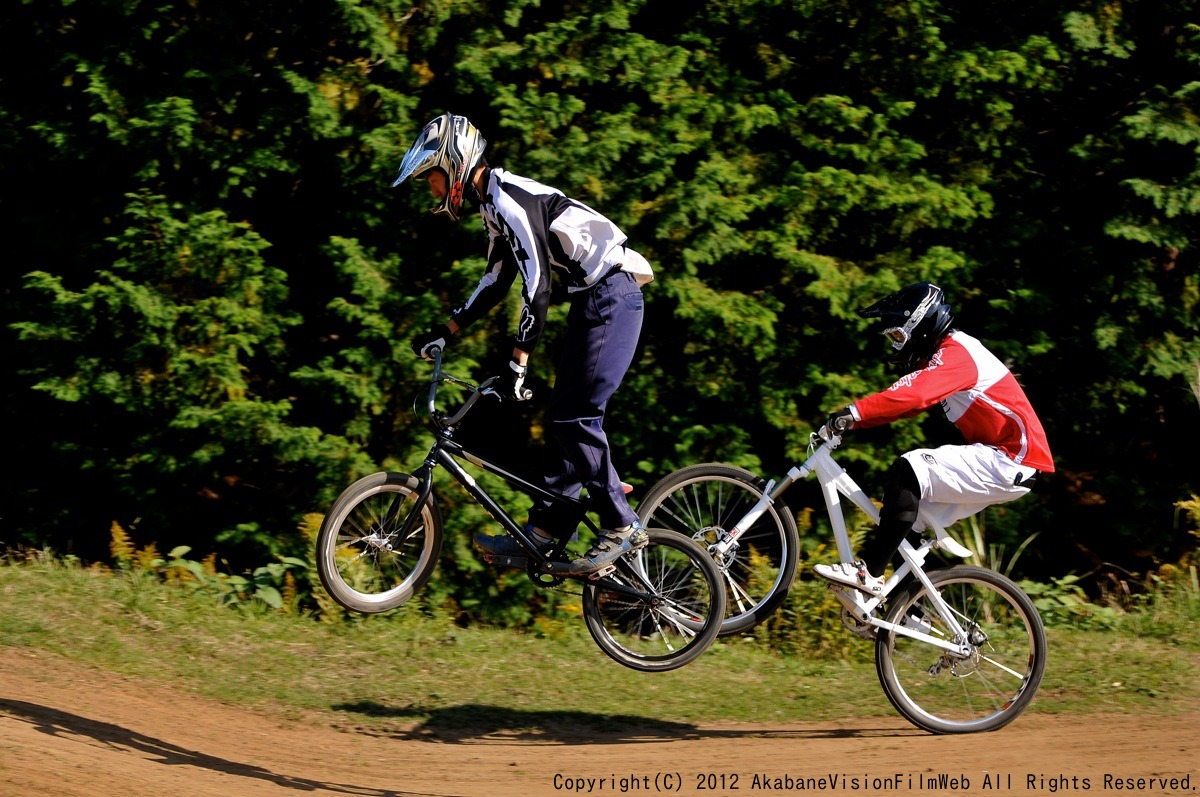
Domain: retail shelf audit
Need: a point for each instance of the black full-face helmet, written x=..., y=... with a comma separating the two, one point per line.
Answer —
x=915, y=320
x=452, y=145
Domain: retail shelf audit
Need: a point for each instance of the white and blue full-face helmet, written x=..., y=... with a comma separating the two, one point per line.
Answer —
x=453, y=145
x=914, y=320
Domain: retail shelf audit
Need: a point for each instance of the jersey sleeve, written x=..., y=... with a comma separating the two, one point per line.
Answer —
x=535, y=304
x=522, y=236
x=493, y=285
x=950, y=370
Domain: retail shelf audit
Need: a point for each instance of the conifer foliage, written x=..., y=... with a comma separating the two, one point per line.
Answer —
x=209, y=285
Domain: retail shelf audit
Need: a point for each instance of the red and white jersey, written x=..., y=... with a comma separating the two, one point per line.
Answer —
x=978, y=394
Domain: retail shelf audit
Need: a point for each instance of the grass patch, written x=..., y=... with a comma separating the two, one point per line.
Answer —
x=414, y=671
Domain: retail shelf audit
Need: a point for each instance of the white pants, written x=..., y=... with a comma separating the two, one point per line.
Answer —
x=959, y=481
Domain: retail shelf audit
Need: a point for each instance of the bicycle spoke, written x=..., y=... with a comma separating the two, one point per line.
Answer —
x=1000, y=666
x=741, y=596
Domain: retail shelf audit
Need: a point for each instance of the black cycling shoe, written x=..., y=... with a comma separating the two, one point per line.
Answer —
x=503, y=550
x=610, y=547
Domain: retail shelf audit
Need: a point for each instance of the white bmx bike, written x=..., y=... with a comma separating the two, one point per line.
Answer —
x=958, y=649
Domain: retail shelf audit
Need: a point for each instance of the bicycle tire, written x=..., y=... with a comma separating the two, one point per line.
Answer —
x=358, y=561
x=984, y=692
x=701, y=501
x=680, y=622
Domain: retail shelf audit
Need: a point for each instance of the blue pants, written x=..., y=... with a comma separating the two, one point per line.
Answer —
x=603, y=326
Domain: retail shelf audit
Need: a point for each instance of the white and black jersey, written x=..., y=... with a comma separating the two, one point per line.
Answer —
x=533, y=228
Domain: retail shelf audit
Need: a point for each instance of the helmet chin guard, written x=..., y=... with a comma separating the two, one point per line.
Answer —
x=452, y=145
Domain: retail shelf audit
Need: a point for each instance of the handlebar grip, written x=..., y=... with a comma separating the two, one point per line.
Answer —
x=526, y=394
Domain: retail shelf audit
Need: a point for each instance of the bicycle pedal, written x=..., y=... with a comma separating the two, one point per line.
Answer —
x=602, y=572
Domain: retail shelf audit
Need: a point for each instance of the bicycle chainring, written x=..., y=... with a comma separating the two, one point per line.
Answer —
x=544, y=580
x=856, y=626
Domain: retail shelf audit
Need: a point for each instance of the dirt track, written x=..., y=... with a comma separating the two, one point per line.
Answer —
x=71, y=731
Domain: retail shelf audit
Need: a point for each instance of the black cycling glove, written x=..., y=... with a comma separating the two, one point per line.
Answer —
x=840, y=421
x=436, y=337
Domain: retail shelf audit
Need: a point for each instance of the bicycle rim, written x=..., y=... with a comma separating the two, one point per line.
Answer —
x=678, y=622
x=703, y=502
x=363, y=563
x=988, y=689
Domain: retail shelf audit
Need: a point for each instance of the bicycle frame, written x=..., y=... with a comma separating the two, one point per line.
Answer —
x=835, y=483
x=446, y=452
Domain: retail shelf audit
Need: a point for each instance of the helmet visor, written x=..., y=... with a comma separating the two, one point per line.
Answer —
x=426, y=151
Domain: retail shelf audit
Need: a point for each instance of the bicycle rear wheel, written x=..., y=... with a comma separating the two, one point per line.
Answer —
x=679, y=619
x=363, y=564
x=985, y=691
x=704, y=502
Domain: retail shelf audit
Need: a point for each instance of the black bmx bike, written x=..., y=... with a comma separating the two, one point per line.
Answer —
x=654, y=609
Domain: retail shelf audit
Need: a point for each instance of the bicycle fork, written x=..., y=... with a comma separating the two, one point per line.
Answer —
x=770, y=494
x=390, y=542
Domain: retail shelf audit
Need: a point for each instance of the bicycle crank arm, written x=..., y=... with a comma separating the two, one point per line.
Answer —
x=499, y=560
x=617, y=586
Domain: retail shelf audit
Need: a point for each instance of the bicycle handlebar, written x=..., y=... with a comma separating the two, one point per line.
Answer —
x=482, y=389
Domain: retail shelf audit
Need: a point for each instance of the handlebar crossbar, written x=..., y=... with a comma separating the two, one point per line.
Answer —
x=440, y=376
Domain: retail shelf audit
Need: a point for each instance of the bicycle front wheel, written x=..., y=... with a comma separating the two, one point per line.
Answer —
x=363, y=563
x=986, y=690
x=679, y=615
x=706, y=501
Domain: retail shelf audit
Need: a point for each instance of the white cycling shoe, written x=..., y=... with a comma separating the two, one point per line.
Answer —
x=852, y=574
